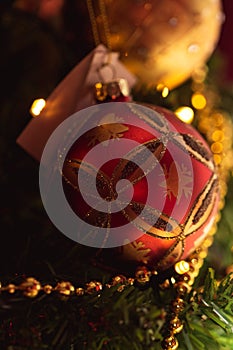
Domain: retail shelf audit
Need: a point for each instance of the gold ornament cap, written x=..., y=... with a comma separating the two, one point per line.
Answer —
x=110, y=91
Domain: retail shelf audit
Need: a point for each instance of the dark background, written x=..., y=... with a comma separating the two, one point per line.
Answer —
x=225, y=43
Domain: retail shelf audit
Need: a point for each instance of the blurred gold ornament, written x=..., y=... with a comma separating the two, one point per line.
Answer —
x=161, y=42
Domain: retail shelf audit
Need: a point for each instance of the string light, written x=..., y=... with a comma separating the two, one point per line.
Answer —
x=37, y=107
x=163, y=90
x=217, y=147
x=218, y=136
x=198, y=100
x=185, y=113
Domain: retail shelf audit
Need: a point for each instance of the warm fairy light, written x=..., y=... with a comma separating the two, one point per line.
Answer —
x=198, y=100
x=163, y=89
x=218, y=119
x=98, y=85
x=199, y=74
x=217, y=147
x=208, y=242
x=217, y=159
x=173, y=281
x=218, y=135
x=37, y=107
x=185, y=114
x=182, y=267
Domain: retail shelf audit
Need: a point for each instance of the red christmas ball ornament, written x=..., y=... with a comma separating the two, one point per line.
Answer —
x=155, y=186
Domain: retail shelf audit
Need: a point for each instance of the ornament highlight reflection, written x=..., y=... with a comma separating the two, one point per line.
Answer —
x=37, y=106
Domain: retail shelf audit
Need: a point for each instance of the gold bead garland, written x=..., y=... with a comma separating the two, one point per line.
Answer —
x=31, y=286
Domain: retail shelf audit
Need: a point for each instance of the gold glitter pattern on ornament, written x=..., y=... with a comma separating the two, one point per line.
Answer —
x=177, y=185
x=106, y=132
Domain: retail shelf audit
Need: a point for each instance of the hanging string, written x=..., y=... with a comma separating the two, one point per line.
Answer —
x=93, y=22
x=104, y=18
x=99, y=23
